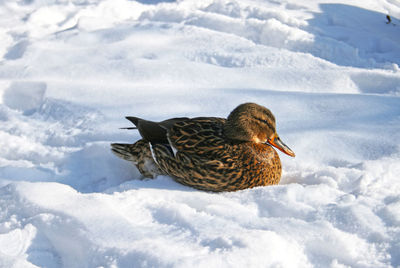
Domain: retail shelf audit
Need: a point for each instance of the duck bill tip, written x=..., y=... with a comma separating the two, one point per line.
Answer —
x=290, y=153
x=277, y=143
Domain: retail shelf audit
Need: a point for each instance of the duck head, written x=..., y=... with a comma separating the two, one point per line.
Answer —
x=254, y=123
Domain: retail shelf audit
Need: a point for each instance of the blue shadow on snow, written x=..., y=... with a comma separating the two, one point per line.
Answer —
x=353, y=36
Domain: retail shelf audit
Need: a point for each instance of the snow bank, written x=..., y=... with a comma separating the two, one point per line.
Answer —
x=71, y=70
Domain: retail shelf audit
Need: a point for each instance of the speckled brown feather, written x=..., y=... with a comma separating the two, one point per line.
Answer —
x=207, y=161
x=209, y=153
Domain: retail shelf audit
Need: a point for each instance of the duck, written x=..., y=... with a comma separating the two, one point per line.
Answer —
x=209, y=153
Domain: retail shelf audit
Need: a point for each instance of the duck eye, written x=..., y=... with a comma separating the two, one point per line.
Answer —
x=262, y=120
x=266, y=124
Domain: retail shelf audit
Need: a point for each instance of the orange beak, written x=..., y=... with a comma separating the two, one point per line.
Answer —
x=277, y=143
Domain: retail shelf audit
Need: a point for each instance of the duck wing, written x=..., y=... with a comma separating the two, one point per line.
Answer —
x=202, y=157
x=201, y=136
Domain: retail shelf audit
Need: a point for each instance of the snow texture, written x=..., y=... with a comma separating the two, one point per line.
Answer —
x=71, y=70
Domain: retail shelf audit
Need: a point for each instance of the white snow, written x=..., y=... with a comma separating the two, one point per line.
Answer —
x=71, y=70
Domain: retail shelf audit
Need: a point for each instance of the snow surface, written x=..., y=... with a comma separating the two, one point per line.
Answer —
x=71, y=70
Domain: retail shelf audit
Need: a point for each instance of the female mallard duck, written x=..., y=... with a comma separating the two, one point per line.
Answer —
x=210, y=153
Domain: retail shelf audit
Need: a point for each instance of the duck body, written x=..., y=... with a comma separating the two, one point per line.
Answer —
x=205, y=152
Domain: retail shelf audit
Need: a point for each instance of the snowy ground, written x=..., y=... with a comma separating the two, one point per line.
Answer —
x=71, y=70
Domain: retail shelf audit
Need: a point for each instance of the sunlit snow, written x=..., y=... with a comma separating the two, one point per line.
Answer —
x=70, y=70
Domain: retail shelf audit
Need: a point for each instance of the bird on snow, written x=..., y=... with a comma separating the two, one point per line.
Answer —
x=210, y=153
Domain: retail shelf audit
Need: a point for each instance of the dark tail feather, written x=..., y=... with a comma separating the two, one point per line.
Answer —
x=133, y=119
x=128, y=128
x=154, y=132
x=125, y=151
x=149, y=130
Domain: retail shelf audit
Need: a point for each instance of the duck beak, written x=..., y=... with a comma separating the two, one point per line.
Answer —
x=277, y=143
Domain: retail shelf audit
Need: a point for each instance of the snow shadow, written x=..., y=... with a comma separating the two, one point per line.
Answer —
x=94, y=168
x=17, y=51
x=377, y=83
x=352, y=36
